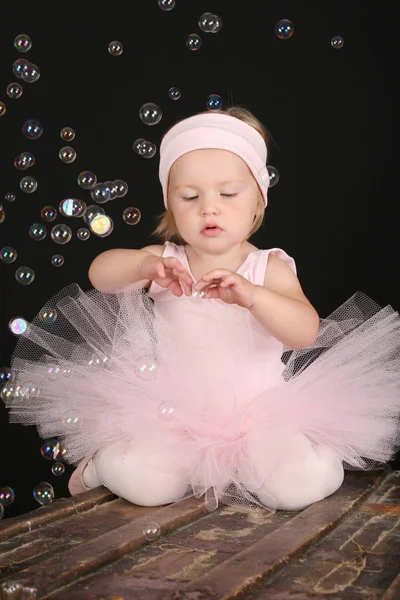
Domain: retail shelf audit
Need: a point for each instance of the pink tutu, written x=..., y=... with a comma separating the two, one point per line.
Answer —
x=95, y=369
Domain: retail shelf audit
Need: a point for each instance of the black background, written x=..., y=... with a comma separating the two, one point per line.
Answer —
x=330, y=113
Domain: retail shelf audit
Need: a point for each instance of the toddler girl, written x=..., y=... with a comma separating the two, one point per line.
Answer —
x=167, y=379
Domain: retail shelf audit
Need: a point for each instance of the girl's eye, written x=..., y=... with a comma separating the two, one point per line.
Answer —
x=229, y=195
x=191, y=198
x=225, y=195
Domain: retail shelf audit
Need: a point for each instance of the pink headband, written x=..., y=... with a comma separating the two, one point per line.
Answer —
x=220, y=131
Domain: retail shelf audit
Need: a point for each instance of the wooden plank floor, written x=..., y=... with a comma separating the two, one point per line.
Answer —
x=97, y=546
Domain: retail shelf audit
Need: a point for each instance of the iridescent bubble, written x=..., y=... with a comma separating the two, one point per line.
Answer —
x=66, y=371
x=115, y=48
x=284, y=29
x=3, y=108
x=91, y=212
x=98, y=361
x=72, y=207
x=72, y=421
x=67, y=134
x=31, y=390
x=86, y=180
x=24, y=161
x=337, y=42
x=273, y=175
x=167, y=411
x=174, y=93
x=18, y=326
x=32, y=129
x=14, y=90
x=166, y=5
x=83, y=234
x=137, y=144
x=7, y=495
x=151, y=531
x=193, y=42
x=150, y=113
x=214, y=102
x=38, y=231
x=57, y=260
x=131, y=215
x=101, y=225
x=122, y=187
x=67, y=155
x=146, y=367
x=2, y=214
x=18, y=65
x=7, y=392
x=58, y=469
x=147, y=149
x=209, y=23
x=30, y=73
x=61, y=453
x=49, y=449
x=48, y=213
x=61, y=234
x=47, y=315
x=10, y=197
x=54, y=373
x=23, y=42
x=8, y=254
x=101, y=193
x=28, y=185
x=43, y=493
x=25, y=275
x=6, y=375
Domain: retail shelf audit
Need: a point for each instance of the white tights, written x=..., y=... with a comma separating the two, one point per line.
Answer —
x=150, y=476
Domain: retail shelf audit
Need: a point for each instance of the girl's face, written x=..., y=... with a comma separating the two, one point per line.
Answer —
x=212, y=186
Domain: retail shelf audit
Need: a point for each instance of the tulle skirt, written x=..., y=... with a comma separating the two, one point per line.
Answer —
x=94, y=370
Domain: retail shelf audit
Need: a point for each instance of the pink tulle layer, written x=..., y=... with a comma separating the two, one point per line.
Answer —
x=98, y=369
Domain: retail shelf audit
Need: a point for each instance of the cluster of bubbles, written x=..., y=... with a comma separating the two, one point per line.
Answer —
x=25, y=70
x=208, y=23
x=23, y=161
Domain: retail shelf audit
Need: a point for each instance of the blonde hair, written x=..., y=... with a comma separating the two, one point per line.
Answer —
x=166, y=228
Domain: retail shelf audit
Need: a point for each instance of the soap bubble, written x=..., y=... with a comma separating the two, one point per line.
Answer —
x=10, y=197
x=14, y=90
x=18, y=65
x=214, y=102
x=8, y=255
x=7, y=495
x=67, y=155
x=72, y=207
x=24, y=161
x=147, y=149
x=43, y=493
x=18, y=325
x=150, y=113
x=167, y=411
x=28, y=185
x=121, y=187
x=47, y=315
x=91, y=212
x=101, y=225
x=30, y=73
x=38, y=231
x=166, y=5
x=49, y=449
x=137, y=144
x=146, y=367
x=32, y=129
x=337, y=42
x=284, y=29
x=86, y=180
x=273, y=175
x=57, y=260
x=193, y=42
x=67, y=134
x=58, y=469
x=209, y=23
x=48, y=213
x=151, y=531
x=25, y=275
x=174, y=93
x=72, y=421
x=101, y=193
x=3, y=108
x=131, y=215
x=61, y=234
x=6, y=375
x=83, y=234
x=115, y=48
x=23, y=43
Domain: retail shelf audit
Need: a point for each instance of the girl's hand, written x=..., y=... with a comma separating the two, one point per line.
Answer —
x=167, y=273
x=228, y=286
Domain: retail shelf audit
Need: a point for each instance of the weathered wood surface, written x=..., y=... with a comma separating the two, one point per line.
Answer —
x=93, y=546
